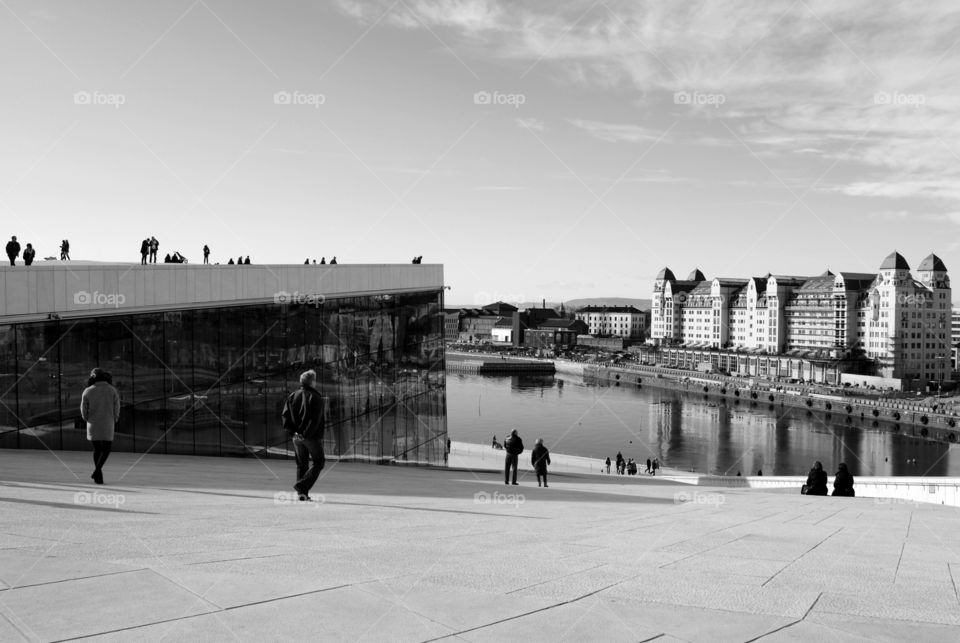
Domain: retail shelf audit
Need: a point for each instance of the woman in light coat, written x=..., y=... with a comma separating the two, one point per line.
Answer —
x=100, y=409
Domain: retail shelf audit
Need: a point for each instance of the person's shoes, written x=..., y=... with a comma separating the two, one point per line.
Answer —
x=303, y=497
x=538, y=484
x=97, y=477
x=545, y=484
x=514, y=483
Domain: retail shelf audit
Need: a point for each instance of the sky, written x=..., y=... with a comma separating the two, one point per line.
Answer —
x=536, y=149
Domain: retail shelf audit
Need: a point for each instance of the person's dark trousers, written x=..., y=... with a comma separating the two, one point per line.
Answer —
x=306, y=449
x=510, y=462
x=143, y=260
x=544, y=476
x=13, y=260
x=101, y=451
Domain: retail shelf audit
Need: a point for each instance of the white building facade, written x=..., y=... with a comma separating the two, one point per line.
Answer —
x=619, y=321
x=901, y=322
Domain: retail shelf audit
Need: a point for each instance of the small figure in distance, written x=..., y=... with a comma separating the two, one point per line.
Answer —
x=230, y=263
x=656, y=465
x=240, y=260
x=514, y=447
x=100, y=409
x=323, y=260
x=246, y=261
x=13, y=250
x=760, y=472
x=494, y=444
x=168, y=258
x=314, y=262
x=649, y=469
x=144, y=251
x=540, y=458
x=28, y=254
x=306, y=261
x=816, y=480
x=206, y=254
x=420, y=259
x=154, y=247
x=608, y=465
x=65, y=250
x=334, y=260
x=843, y=482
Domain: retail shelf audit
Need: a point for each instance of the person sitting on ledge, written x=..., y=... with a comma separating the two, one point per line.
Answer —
x=167, y=259
x=231, y=262
x=843, y=482
x=817, y=480
x=334, y=260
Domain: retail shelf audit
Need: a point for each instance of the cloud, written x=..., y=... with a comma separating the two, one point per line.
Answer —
x=863, y=83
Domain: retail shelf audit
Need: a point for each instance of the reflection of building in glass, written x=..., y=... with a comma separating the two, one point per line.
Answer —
x=203, y=368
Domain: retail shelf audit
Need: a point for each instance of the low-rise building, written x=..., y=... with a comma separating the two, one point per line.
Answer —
x=620, y=321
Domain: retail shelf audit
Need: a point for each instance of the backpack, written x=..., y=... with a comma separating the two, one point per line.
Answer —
x=286, y=416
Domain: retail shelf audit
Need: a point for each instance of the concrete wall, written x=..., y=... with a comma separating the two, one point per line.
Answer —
x=871, y=380
x=941, y=491
x=79, y=289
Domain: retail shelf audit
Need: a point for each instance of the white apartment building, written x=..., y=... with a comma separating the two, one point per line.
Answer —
x=901, y=322
x=619, y=321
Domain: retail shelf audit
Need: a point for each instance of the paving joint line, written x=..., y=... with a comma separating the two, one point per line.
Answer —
x=838, y=530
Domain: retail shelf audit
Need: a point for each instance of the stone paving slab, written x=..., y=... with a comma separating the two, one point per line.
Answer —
x=205, y=549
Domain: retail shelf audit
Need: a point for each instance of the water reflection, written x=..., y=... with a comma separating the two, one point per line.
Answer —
x=682, y=429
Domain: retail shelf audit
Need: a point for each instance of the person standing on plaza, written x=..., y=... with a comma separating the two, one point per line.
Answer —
x=619, y=463
x=304, y=418
x=154, y=247
x=144, y=251
x=540, y=458
x=656, y=465
x=649, y=470
x=206, y=254
x=843, y=482
x=28, y=254
x=65, y=250
x=514, y=447
x=13, y=250
x=100, y=409
x=608, y=465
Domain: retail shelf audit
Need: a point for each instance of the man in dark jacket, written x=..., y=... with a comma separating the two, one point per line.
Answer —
x=514, y=447
x=817, y=481
x=540, y=458
x=144, y=251
x=304, y=418
x=13, y=250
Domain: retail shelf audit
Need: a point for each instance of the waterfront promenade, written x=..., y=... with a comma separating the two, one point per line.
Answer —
x=194, y=548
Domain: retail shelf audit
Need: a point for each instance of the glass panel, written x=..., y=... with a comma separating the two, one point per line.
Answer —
x=9, y=427
x=207, y=420
x=178, y=380
x=78, y=351
x=38, y=390
x=231, y=385
x=255, y=381
x=115, y=352
x=149, y=374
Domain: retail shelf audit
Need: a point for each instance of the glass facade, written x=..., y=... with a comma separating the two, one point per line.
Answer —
x=212, y=381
